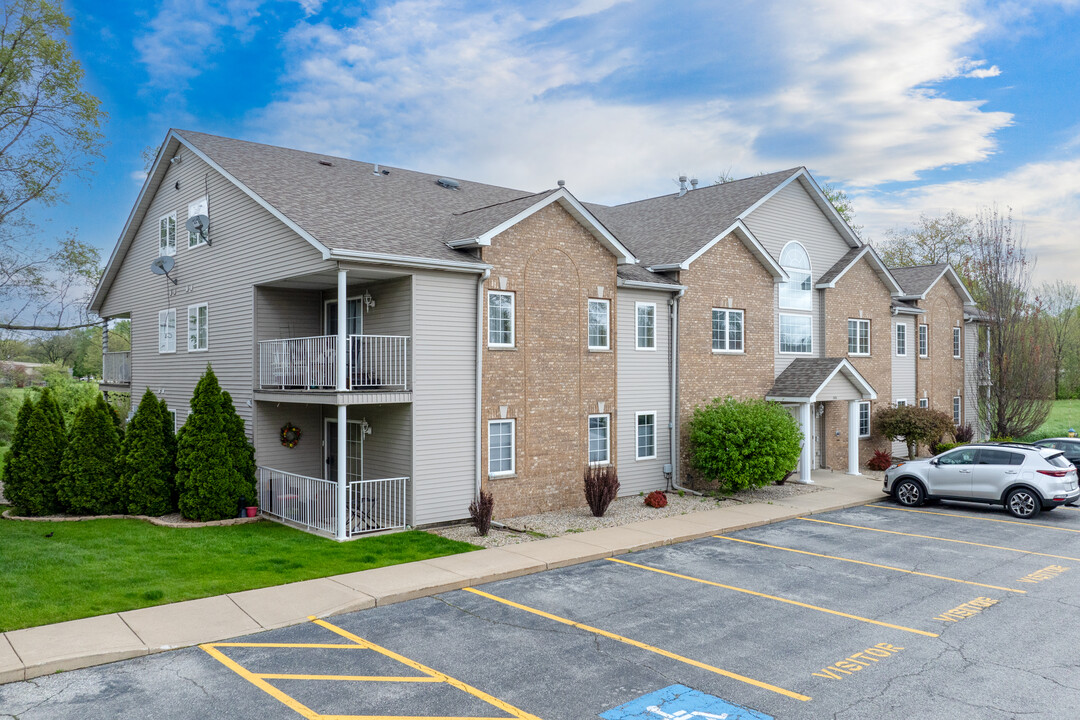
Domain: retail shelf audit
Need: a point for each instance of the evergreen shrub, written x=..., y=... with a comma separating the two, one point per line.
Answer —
x=148, y=460
x=207, y=478
x=89, y=481
x=33, y=461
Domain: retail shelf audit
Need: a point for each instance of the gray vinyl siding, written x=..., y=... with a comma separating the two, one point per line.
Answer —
x=304, y=459
x=839, y=388
x=903, y=372
x=388, y=449
x=287, y=313
x=249, y=246
x=971, y=378
x=789, y=215
x=392, y=314
x=644, y=386
x=444, y=396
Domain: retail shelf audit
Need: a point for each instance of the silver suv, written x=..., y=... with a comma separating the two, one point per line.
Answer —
x=1024, y=478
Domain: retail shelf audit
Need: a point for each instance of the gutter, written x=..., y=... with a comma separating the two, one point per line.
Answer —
x=673, y=418
x=409, y=261
x=646, y=285
x=479, y=375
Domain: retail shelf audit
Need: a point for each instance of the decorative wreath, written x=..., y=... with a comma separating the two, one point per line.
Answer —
x=290, y=435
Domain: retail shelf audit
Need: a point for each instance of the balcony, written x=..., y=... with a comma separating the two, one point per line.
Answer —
x=311, y=503
x=376, y=364
x=116, y=369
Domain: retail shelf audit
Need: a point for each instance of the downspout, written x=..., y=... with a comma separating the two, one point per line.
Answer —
x=479, y=374
x=673, y=418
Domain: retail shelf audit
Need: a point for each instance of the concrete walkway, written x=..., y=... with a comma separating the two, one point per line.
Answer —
x=32, y=652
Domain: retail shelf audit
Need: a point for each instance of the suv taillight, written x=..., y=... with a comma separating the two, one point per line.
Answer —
x=1055, y=473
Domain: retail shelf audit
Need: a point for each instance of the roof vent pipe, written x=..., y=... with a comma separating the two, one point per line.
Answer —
x=562, y=183
x=376, y=170
x=682, y=185
x=693, y=183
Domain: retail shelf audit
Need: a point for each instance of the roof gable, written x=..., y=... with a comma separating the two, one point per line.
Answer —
x=805, y=378
x=848, y=261
x=918, y=280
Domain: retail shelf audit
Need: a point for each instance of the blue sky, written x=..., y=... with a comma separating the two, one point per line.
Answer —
x=912, y=107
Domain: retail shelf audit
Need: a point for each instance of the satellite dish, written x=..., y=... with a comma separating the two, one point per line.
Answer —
x=163, y=266
x=199, y=225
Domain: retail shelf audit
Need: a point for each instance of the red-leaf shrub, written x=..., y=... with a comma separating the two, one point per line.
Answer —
x=480, y=512
x=881, y=461
x=601, y=487
x=656, y=499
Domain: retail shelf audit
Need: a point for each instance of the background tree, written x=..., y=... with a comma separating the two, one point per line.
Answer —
x=1058, y=301
x=932, y=240
x=148, y=460
x=842, y=203
x=88, y=483
x=1019, y=396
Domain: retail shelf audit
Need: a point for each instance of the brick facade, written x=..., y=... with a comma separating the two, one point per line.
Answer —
x=550, y=381
x=726, y=276
x=859, y=294
x=940, y=377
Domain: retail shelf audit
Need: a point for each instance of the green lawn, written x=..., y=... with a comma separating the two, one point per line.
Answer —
x=101, y=566
x=1064, y=415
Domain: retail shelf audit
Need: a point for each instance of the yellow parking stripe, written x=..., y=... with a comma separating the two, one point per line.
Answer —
x=404, y=717
x=338, y=646
x=639, y=644
x=774, y=597
x=266, y=687
x=970, y=517
x=350, y=678
x=464, y=687
x=870, y=564
x=934, y=537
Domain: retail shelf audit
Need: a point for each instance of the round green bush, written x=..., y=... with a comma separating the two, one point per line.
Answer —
x=742, y=444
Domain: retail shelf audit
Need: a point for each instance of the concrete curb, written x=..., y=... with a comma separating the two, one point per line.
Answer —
x=32, y=652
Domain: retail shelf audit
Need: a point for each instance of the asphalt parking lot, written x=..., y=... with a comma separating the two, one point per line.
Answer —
x=949, y=611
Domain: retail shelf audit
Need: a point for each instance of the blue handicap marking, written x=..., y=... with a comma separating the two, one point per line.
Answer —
x=680, y=702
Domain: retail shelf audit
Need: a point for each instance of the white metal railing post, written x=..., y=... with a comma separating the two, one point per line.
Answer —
x=405, y=363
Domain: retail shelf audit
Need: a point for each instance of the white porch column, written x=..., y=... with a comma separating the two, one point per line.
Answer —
x=342, y=461
x=853, y=437
x=806, y=459
x=342, y=319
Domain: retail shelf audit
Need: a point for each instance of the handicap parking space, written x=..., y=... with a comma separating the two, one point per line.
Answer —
x=871, y=611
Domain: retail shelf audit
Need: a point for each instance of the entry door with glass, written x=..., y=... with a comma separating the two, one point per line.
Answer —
x=354, y=450
x=354, y=318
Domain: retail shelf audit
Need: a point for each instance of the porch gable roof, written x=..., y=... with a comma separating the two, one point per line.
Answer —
x=804, y=379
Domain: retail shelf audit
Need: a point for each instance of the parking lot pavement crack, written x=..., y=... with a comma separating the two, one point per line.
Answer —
x=38, y=704
x=887, y=686
x=192, y=681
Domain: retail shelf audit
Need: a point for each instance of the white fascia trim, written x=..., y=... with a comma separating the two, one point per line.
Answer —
x=908, y=311
x=644, y=285
x=894, y=287
x=255, y=196
x=853, y=376
x=575, y=208
x=954, y=278
x=408, y=261
x=669, y=267
x=752, y=244
x=785, y=399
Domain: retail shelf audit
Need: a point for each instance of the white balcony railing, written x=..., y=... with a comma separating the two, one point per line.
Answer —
x=310, y=363
x=116, y=368
x=371, y=505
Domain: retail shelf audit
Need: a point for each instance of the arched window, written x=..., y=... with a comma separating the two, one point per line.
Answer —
x=797, y=293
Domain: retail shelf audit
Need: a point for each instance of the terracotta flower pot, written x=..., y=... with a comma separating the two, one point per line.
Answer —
x=252, y=511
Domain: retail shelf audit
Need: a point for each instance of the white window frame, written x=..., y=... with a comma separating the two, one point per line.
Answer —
x=193, y=209
x=924, y=340
x=924, y=402
x=167, y=249
x=637, y=436
x=638, y=337
x=726, y=332
x=859, y=324
x=606, y=325
x=900, y=338
x=864, y=433
x=956, y=342
x=513, y=447
x=780, y=335
x=606, y=417
x=166, y=313
x=513, y=324
x=957, y=410
x=901, y=403
x=173, y=413
x=205, y=326
x=809, y=293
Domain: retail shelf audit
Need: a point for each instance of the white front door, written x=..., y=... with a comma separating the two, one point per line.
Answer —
x=354, y=446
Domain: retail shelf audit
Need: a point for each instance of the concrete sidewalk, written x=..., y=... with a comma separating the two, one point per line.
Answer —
x=29, y=653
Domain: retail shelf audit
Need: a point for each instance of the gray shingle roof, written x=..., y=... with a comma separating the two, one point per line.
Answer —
x=636, y=272
x=841, y=265
x=803, y=377
x=346, y=205
x=669, y=229
x=470, y=224
x=918, y=279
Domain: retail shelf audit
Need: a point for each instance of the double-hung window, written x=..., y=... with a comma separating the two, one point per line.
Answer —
x=193, y=209
x=858, y=337
x=599, y=439
x=901, y=403
x=500, y=447
x=167, y=234
x=901, y=339
x=924, y=402
x=599, y=325
x=500, y=319
x=646, y=435
x=956, y=410
x=796, y=334
x=864, y=419
x=646, y=325
x=166, y=333
x=924, y=340
x=727, y=330
x=197, y=317
x=956, y=342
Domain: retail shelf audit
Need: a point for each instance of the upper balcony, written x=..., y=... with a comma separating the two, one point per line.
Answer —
x=116, y=371
x=375, y=363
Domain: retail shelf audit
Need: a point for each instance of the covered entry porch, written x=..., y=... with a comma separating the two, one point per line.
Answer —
x=806, y=386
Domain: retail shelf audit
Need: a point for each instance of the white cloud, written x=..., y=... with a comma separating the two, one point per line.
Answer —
x=992, y=71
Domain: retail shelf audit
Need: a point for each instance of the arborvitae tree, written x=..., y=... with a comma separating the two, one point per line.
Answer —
x=242, y=449
x=89, y=482
x=53, y=407
x=147, y=461
x=117, y=422
x=206, y=473
x=33, y=467
x=168, y=439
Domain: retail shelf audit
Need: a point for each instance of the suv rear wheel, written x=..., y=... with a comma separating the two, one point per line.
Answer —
x=909, y=493
x=1023, y=503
